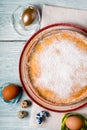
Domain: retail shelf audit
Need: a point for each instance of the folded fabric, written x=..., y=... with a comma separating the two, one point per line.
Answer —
x=55, y=14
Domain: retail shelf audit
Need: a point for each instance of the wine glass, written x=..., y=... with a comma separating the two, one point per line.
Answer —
x=26, y=19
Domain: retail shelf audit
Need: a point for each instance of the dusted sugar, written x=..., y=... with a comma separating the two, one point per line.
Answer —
x=63, y=65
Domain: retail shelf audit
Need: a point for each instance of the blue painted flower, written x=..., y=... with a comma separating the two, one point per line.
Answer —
x=41, y=116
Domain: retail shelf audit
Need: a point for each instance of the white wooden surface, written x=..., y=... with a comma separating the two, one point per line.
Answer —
x=11, y=45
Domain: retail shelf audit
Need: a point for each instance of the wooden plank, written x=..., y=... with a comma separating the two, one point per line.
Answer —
x=10, y=50
x=7, y=7
x=80, y=4
x=9, y=119
x=9, y=60
x=8, y=115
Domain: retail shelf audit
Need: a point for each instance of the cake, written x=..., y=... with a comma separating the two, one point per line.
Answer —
x=57, y=67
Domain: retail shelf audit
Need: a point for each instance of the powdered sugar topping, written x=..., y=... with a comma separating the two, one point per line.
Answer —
x=62, y=65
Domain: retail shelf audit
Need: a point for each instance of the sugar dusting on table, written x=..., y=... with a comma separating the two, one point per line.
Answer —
x=62, y=65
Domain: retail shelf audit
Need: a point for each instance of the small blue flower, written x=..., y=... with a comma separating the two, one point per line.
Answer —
x=41, y=116
x=38, y=115
x=45, y=113
x=39, y=119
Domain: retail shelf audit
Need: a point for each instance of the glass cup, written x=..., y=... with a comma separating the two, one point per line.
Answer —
x=26, y=19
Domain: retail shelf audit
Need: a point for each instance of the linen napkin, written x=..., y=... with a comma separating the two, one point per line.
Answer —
x=55, y=14
x=51, y=15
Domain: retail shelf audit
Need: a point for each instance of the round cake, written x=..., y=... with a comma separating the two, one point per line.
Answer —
x=57, y=67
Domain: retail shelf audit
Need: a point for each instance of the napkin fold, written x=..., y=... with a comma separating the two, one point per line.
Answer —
x=55, y=14
x=51, y=15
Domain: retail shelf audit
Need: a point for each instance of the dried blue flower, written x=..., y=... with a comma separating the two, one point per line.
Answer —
x=41, y=116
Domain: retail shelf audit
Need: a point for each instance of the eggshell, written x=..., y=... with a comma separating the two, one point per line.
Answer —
x=74, y=123
x=29, y=16
x=10, y=92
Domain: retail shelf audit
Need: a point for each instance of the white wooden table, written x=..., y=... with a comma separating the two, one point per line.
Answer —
x=11, y=45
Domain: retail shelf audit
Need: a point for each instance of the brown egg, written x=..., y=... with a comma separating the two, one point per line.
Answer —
x=10, y=92
x=74, y=123
x=29, y=16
